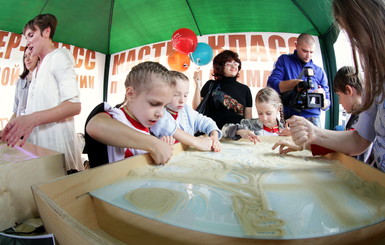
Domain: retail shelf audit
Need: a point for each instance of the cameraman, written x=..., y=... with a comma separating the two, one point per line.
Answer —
x=283, y=78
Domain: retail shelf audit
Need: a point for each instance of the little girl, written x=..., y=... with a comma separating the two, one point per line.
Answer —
x=149, y=88
x=269, y=106
x=187, y=120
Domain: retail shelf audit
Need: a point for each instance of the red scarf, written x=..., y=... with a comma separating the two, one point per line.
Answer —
x=174, y=114
x=271, y=130
x=137, y=125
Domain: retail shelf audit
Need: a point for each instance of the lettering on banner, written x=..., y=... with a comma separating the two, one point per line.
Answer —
x=252, y=78
x=123, y=62
x=261, y=49
x=86, y=81
x=258, y=50
x=9, y=75
x=217, y=43
x=114, y=87
x=84, y=57
x=13, y=42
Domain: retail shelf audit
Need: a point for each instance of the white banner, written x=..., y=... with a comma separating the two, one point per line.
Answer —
x=258, y=53
x=89, y=68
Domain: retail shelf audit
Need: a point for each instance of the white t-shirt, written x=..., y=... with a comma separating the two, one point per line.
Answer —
x=54, y=83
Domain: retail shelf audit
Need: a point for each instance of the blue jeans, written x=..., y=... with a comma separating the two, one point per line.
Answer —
x=315, y=120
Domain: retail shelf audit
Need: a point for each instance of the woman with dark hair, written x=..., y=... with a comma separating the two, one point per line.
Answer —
x=21, y=94
x=22, y=85
x=230, y=101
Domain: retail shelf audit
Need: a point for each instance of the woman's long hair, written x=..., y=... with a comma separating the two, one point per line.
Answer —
x=364, y=23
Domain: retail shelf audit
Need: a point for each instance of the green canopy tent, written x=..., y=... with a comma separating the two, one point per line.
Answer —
x=110, y=26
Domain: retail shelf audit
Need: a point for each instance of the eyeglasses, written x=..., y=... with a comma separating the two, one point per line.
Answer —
x=236, y=64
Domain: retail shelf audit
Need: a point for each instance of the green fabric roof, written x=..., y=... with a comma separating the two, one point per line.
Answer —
x=110, y=26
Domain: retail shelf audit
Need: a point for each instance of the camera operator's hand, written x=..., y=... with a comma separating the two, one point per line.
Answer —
x=320, y=90
x=288, y=85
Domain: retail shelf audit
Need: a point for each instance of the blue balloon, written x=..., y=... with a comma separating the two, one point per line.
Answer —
x=202, y=55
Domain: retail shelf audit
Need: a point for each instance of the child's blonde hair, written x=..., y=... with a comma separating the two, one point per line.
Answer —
x=270, y=96
x=142, y=76
x=178, y=75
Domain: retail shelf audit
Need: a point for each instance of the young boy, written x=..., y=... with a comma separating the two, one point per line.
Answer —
x=187, y=119
x=348, y=87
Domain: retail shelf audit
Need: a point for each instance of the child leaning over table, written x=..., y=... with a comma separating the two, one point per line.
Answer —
x=186, y=118
x=269, y=106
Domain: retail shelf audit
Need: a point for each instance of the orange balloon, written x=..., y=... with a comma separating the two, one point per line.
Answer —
x=178, y=61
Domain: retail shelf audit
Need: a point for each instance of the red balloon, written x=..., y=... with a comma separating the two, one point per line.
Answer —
x=184, y=40
x=178, y=61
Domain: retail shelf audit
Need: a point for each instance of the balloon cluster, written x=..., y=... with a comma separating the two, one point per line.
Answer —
x=186, y=48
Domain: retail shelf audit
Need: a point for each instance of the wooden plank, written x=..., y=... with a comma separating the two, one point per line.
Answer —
x=17, y=177
x=65, y=205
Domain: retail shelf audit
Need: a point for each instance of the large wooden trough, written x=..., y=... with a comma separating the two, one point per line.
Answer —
x=20, y=168
x=75, y=217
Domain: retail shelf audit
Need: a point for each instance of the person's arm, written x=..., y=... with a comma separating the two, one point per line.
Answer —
x=200, y=143
x=112, y=132
x=248, y=113
x=202, y=123
x=277, y=76
x=22, y=126
x=216, y=145
x=229, y=131
x=197, y=95
x=304, y=133
x=288, y=85
x=248, y=134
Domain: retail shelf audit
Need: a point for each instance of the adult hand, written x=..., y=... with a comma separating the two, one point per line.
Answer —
x=20, y=128
x=286, y=146
x=320, y=90
x=303, y=132
x=197, y=79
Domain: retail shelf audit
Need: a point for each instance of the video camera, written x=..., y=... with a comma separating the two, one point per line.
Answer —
x=299, y=98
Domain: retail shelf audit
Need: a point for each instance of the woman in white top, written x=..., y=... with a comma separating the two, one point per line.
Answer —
x=53, y=98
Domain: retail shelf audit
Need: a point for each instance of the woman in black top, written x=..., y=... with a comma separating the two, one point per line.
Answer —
x=230, y=101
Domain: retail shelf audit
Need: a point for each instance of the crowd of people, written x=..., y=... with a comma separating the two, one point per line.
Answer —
x=154, y=115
